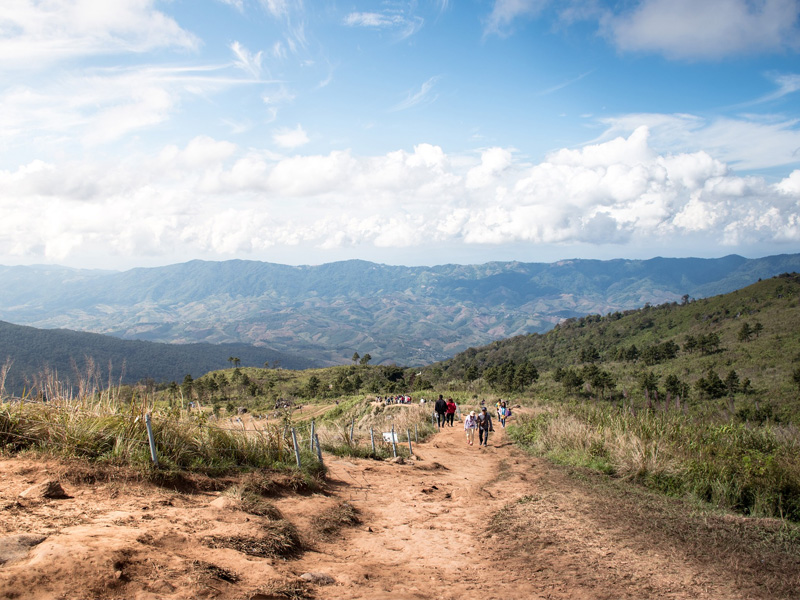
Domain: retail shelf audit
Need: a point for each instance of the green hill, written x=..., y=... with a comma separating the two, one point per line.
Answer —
x=754, y=331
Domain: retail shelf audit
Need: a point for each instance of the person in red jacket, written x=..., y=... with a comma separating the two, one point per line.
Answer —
x=450, y=413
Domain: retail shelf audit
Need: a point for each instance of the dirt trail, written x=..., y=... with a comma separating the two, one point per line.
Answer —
x=459, y=522
x=428, y=533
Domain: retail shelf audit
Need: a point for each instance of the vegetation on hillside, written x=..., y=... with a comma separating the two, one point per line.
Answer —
x=698, y=398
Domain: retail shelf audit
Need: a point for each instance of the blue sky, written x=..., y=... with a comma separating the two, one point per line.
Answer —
x=143, y=133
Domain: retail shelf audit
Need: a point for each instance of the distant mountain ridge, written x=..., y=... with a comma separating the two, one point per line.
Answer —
x=407, y=315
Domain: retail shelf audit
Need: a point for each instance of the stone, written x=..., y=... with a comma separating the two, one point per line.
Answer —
x=318, y=578
x=47, y=489
x=15, y=547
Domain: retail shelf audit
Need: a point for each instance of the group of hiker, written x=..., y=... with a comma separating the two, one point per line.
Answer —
x=445, y=411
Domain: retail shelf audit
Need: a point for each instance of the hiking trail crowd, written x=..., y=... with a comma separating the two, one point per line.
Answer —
x=445, y=411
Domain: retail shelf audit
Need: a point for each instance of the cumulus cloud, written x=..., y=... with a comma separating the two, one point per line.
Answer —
x=212, y=198
x=290, y=138
x=744, y=142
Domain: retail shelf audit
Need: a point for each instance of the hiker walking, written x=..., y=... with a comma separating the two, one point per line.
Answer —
x=450, y=413
x=484, y=427
x=502, y=413
x=470, y=425
x=441, y=409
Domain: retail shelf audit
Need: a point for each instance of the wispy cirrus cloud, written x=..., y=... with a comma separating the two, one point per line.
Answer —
x=563, y=84
x=403, y=24
x=506, y=12
x=423, y=95
x=247, y=61
x=40, y=34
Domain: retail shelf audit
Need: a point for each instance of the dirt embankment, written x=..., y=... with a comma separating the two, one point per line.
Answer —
x=459, y=522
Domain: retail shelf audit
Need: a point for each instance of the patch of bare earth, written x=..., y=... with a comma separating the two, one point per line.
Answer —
x=459, y=521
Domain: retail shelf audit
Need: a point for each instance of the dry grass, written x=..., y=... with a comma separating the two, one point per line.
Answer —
x=290, y=589
x=278, y=539
x=328, y=523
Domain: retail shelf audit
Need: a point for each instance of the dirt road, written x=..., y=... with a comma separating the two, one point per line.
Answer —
x=460, y=522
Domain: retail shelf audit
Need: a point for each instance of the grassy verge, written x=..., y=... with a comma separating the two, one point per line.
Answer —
x=752, y=469
x=108, y=432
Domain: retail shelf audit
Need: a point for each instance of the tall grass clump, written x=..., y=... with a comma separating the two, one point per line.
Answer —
x=102, y=429
x=753, y=469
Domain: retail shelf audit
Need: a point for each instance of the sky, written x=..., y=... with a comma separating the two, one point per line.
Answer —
x=139, y=133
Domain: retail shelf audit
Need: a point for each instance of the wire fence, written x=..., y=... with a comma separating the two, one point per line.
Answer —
x=83, y=428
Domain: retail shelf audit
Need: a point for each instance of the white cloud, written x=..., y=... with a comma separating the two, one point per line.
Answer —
x=744, y=142
x=677, y=29
x=505, y=12
x=103, y=105
x=245, y=60
x=405, y=24
x=211, y=198
x=711, y=29
x=421, y=96
x=37, y=34
x=291, y=138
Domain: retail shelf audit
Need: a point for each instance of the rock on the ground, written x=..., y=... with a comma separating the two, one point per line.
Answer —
x=318, y=578
x=15, y=547
x=47, y=489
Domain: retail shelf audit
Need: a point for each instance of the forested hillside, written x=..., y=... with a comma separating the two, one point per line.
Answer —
x=744, y=345
x=33, y=355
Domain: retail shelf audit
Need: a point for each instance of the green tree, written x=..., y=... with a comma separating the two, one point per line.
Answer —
x=711, y=385
x=365, y=359
x=745, y=332
x=355, y=357
x=187, y=386
x=312, y=387
x=648, y=381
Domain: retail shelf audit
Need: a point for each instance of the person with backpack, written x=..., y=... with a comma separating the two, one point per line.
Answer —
x=441, y=409
x=484, y=427
x=450, y=413
x=470, y=425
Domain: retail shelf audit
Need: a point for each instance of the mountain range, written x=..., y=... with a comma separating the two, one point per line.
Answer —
x=405, y=315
